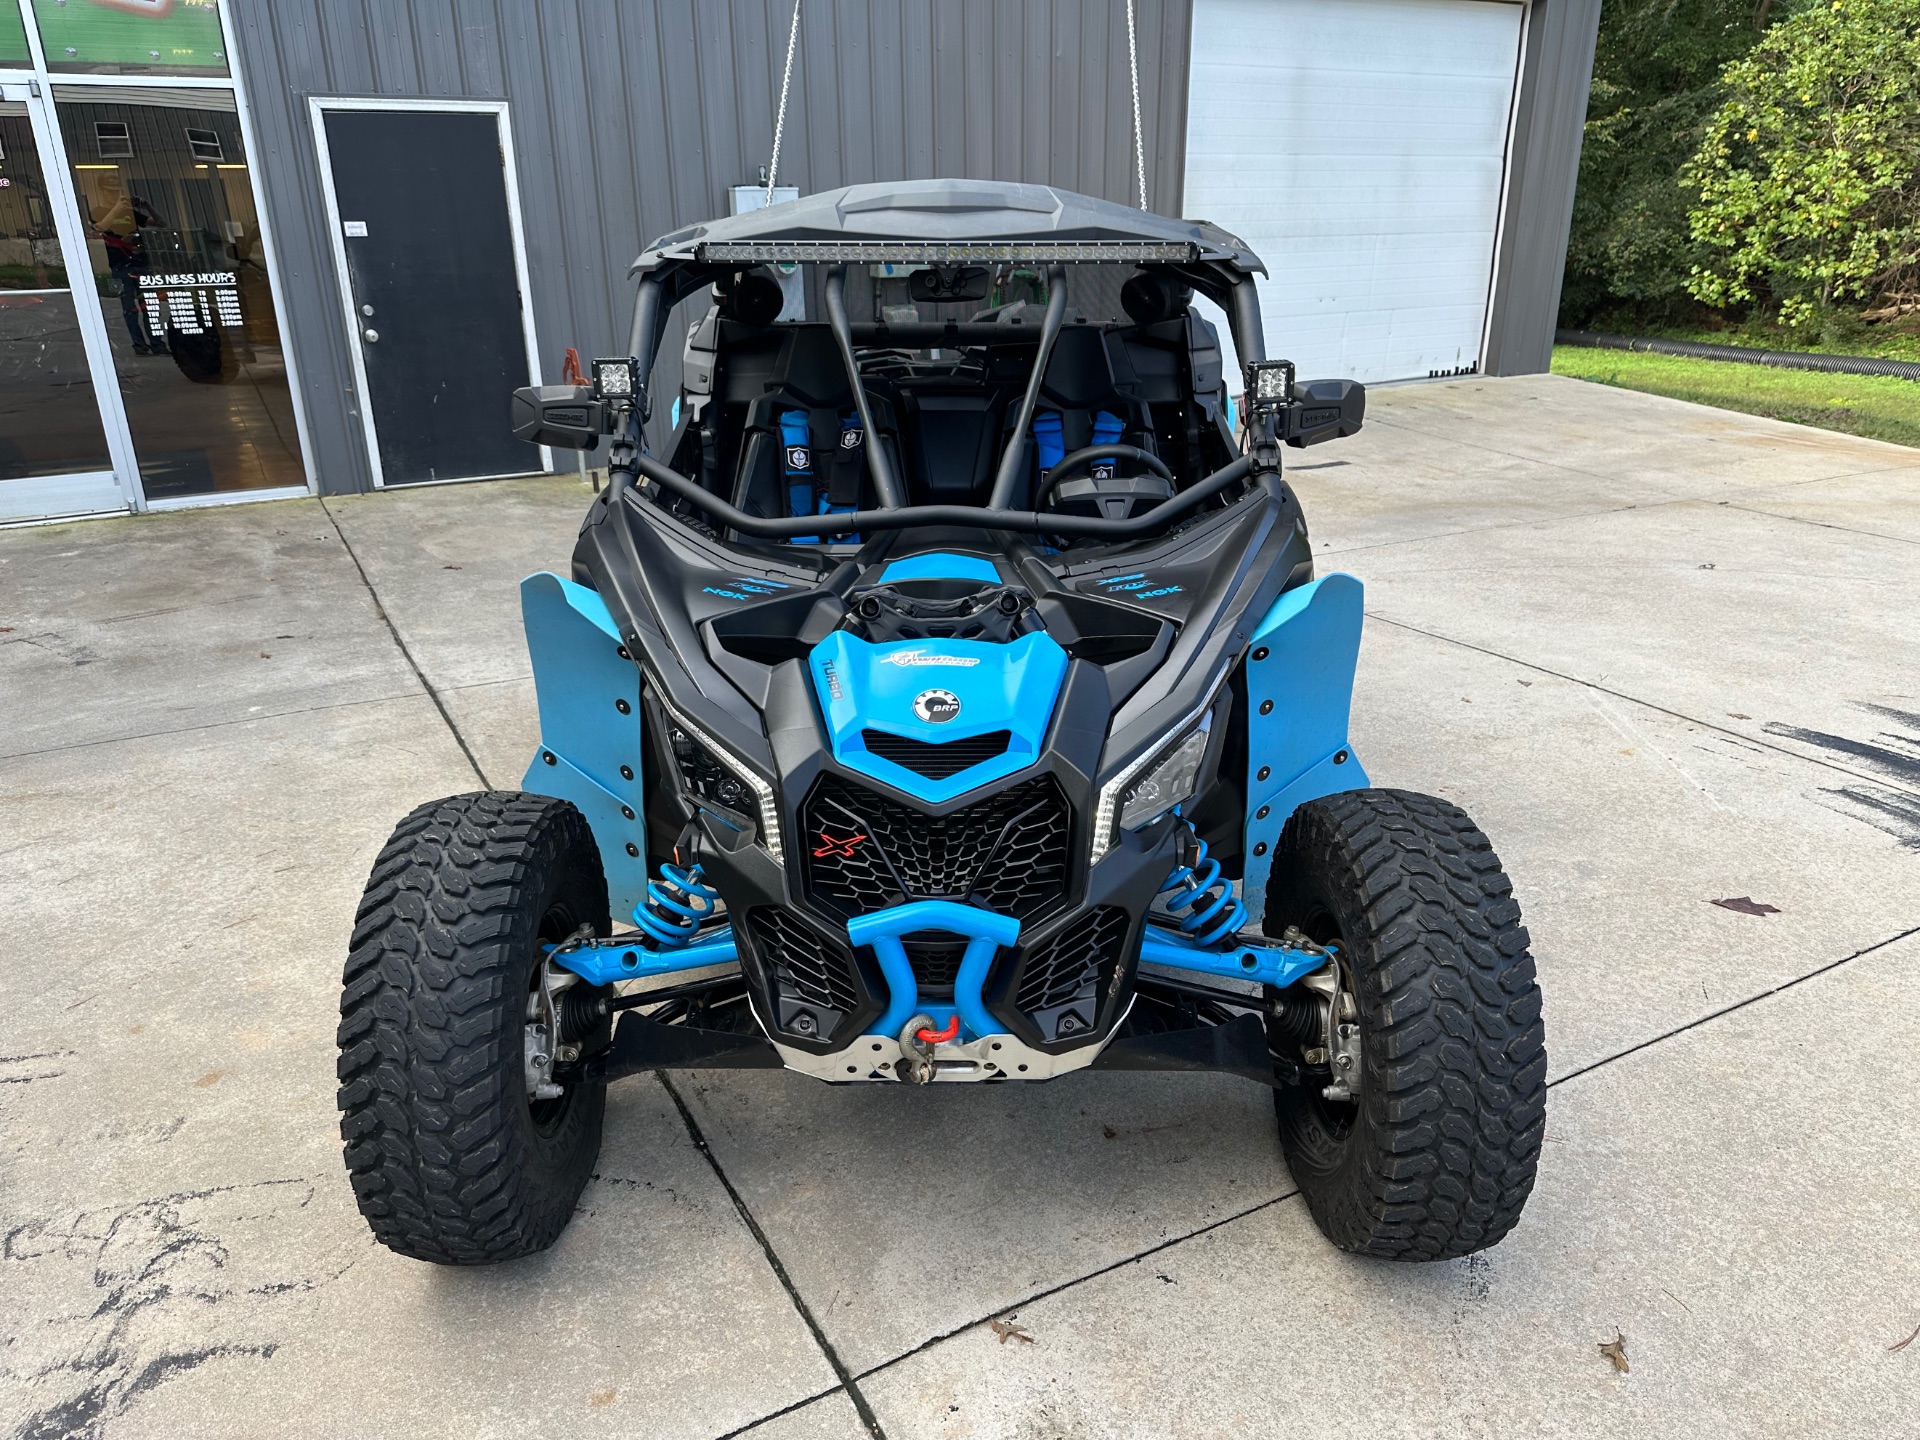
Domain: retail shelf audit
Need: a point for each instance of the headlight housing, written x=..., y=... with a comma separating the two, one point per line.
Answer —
x=708, y=772
x=1147, y=789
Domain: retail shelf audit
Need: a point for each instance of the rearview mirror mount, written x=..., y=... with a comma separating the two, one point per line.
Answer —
x=949, y=284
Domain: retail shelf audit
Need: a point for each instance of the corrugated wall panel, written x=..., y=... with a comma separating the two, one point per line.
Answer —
x=632, y=119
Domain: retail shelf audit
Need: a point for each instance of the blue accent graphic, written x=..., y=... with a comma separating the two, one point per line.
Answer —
x=601, y=962
x=941, y=566
x=1311, y=640
x=986, y=932
x=583, y=683
x=1278, y=965
x=862, y=686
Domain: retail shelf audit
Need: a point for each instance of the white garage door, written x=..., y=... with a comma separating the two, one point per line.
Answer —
x=1359, y=146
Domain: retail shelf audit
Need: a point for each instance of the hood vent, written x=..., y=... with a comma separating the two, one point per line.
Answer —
x=937, y=762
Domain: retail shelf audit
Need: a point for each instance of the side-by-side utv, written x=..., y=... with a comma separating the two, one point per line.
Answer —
x=945, y=696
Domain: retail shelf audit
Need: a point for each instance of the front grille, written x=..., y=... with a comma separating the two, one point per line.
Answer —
x=1066, y=976
x=935, y=956
x=1008, y=852
x=939, y=761
x=806, y=968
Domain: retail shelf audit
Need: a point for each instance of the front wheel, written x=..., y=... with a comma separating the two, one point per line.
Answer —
x=458, y=1149
x=1415, y=1130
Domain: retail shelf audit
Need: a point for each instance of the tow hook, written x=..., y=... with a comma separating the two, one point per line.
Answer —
x=916, y=1048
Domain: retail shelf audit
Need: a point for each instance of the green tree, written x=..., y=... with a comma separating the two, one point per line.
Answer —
x=1656, y=83
x=1808, y=176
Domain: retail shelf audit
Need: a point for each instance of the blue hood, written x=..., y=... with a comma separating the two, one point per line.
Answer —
x=936, y=692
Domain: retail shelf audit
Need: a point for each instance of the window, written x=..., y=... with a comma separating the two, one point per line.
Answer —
x=205, y=144
x=131, y=37
x=113, y=140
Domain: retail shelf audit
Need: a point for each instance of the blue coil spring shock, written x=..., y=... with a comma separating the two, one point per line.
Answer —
x=675, y=906
x=1203, y=900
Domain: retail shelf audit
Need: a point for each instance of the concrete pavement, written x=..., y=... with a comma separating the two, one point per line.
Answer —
x=1663, y=654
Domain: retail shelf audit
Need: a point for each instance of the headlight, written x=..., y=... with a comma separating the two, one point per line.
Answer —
x=710, y=773
x=1152, y=785
x=1166, y=784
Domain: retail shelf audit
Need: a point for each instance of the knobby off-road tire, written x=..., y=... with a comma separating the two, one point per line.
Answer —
x=1436, y=1156
x=450, y=1160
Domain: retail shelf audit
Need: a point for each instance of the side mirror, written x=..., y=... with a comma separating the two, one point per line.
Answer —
x=564, y=416
x=1323, y=410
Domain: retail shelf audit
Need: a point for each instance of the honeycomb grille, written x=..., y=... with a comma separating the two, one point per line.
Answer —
x=811, y=969
x=1008, y=852
x=1073, y=964
x=935, y=956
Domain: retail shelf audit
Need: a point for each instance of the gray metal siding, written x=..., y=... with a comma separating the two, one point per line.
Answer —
x=631, y=119
x=1543, y=165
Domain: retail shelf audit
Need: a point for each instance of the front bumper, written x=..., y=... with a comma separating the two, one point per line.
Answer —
x=981, y=1048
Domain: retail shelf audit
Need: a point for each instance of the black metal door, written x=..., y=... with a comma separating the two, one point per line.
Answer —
x=436, y=300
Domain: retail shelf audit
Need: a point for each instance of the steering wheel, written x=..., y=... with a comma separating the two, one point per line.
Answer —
x=1068, y=464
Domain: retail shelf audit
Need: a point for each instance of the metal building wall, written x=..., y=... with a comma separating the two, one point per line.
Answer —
x=632, y=117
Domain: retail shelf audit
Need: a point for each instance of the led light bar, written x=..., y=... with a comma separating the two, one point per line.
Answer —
x=916, y=252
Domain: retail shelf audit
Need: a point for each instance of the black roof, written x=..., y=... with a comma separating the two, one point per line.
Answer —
x=885, y=220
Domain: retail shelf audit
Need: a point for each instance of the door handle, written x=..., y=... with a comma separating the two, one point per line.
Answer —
x=370, y=335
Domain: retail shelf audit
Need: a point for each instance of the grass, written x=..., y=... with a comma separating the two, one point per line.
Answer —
x=1877, y=406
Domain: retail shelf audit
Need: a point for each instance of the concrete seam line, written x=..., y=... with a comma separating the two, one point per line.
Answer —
x=867, y=1417
x=781, y=1413
x=1754, y=999
x=1052, y=1290
x=1647, y=704
x=1823, y=524
x=412, y=664
x=211, y=725
x=1744, y=354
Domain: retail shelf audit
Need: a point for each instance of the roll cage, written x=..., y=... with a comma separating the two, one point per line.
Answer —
x=942, y=415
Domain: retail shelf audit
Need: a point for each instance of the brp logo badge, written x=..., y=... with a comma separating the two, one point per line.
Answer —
x=936, y=706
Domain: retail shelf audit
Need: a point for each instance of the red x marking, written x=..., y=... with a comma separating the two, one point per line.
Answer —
x=837, y=849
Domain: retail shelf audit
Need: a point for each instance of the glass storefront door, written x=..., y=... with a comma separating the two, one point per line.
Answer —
x=54, y=456
x=173, y=244
x=141, y=361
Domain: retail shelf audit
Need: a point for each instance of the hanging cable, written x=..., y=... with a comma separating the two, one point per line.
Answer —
x=786, y=80
x=1139, y=140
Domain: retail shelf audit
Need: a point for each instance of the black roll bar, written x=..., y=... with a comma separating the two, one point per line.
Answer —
x=884, y=484
x=907, y=517
x=1016, y=451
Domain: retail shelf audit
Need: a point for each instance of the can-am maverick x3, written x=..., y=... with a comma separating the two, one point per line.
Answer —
x=952, y=699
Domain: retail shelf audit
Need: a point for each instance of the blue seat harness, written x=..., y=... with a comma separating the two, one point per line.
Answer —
x=805, y=496
x=1049, y=438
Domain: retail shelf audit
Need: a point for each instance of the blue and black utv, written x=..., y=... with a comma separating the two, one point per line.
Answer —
x=950, y=699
